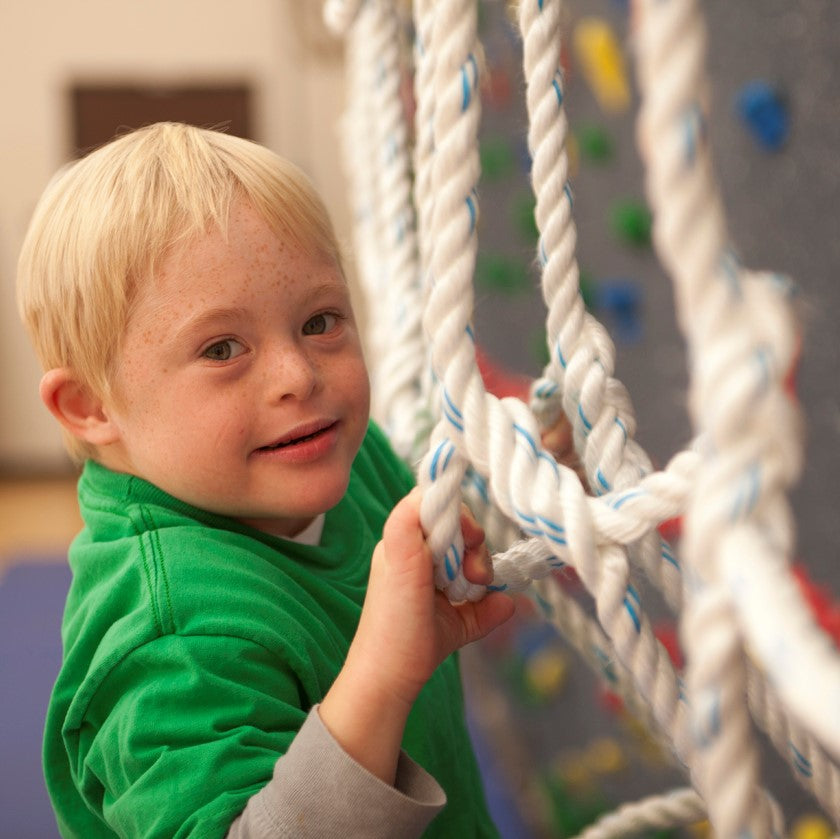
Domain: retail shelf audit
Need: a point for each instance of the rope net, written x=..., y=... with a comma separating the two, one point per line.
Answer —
x=746, y=630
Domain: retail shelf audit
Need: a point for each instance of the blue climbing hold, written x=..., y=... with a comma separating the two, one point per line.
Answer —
x=765, y=113
x=620, y=301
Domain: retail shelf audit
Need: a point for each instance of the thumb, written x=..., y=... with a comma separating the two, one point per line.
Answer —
x=402, y=536
x=492, y=611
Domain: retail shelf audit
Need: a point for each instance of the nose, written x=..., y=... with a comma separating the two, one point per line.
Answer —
x=294, y=375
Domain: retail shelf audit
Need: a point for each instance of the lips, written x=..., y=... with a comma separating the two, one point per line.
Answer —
x=302, y=434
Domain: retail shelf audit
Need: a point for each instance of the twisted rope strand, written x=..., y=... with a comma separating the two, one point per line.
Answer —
x=677, y=808
x=809, y=764
x=402, y=365
x=454, y=177
x=360, y=163
x=689, y=234
x=585, y=634
x=582, y=355
x=424, y=197
x=579, y=375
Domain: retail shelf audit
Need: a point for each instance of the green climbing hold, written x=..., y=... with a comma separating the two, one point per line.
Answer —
x=522, y=210
x=630, y=221
x=496, y=272
x=594, y=142
x=497, y=158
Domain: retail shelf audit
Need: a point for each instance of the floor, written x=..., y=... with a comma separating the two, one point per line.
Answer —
x=38, y=519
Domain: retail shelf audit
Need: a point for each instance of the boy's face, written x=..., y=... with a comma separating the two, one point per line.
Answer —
x=241, y=387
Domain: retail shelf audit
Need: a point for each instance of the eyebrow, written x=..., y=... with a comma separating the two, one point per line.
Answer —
x=328, y=287
x=210, y=316
x=222, y=314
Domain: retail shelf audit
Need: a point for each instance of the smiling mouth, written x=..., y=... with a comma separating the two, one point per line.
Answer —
x=294, y=441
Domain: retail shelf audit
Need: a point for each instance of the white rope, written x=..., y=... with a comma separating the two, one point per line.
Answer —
x=586, y=636
x=731, y=486
x=360, y=163
x=402, y=366
x=424, y=129
x=424, y=197
x=809, y=764
x=678, y=808
x=731, y=353
x=378, y=161
x=454, y=177
x=579, y=374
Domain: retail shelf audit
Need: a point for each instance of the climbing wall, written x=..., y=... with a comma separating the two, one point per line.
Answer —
x=775, y=132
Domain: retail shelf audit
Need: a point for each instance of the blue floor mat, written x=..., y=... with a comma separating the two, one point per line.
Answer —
x=501, y=801
x=31, y=604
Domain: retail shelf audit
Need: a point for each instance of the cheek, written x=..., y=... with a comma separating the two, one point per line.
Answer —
x=139, y=408
x=222, y=422
x=364, y=387
x=163, y=411
x=358, y=382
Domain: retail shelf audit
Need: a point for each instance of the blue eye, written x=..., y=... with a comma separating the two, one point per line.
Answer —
x=223, y=350
x=320, y=324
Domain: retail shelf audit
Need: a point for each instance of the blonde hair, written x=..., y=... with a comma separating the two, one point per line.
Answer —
x=105, y=222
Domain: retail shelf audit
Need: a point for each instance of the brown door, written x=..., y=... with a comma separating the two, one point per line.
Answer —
x=100, y=112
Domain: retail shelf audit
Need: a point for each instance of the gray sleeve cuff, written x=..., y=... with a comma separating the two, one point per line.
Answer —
x=318, y=790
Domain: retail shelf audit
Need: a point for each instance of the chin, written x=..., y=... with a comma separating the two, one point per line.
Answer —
x=305, y=505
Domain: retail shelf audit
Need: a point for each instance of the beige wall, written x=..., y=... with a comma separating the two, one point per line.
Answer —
x=276, y=45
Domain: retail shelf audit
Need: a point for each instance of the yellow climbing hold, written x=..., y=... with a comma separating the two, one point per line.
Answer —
x=602, y=63
x=546, y=671
x=811, y=827
x=604, y=756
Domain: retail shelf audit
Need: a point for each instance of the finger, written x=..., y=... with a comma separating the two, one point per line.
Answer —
x=559, y=438
x=471, y=530
x=481, y=618
x=478, y=566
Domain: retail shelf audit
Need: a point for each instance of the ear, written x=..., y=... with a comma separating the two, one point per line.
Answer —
x=79, y=410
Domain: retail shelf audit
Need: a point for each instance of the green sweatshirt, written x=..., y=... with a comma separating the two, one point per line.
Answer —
x=195, y=646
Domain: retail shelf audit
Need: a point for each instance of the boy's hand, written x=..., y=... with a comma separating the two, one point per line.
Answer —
x=406, y=630
x=413, y=626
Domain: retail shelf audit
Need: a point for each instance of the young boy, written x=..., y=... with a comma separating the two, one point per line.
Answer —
x=246, y=651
